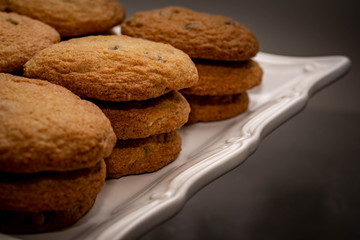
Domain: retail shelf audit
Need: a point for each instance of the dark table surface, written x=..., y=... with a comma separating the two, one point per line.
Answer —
x=303, y=182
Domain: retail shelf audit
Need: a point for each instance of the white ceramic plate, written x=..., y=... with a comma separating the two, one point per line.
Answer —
x=128, y=207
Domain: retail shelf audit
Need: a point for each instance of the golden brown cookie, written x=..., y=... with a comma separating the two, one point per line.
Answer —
x=200, y=35
x=225, y=78
x=45, y=127
x=143, y=155
x=30, y=222
x=45, y=191
x=114, y=68
x=21, y=39
x=70, y=18
x=48, y=200
x=215, y=108
x=140, y=119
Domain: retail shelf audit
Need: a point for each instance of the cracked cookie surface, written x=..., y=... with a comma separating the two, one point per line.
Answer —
x=45, y=127
x=21, y=38
x=70, y=18
x=114, y=68
x=201, y=35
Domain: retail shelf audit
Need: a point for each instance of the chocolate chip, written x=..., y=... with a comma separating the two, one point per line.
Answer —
x=13, y=22
x=116, y=47
x=192, y=25
x=138, y=25
x=154, y=56
x=230, y=22
x=147, y=150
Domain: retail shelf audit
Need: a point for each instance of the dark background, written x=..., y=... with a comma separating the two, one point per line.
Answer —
x=303, y=181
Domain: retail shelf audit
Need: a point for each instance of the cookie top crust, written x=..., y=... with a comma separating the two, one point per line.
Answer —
x=71, y=17
x=45, y=127
x=140, y=119
x=224, y=78
x=114, y=68
x=21, y=38
x=200, y=35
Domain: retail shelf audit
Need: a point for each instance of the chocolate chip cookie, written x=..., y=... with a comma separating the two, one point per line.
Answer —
x=21, y=38
x=143, y=155
x=217, y=107
x=201, y=35
x=70, y=18
x=114, y=68
x=46, y=201
x=225, y=78
x=45, y=127
x=141, y=119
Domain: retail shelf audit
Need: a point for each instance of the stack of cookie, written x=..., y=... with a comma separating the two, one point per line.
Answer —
x=221, y=91
x=221, y=48
x=147, y=139
x=52, y=150
x=135, y=82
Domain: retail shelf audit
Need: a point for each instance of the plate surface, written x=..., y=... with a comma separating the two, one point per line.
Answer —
x=128, y=207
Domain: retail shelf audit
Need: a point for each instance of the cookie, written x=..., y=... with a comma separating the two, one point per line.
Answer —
x=225, y=78
x=45, y=127
x=21, y=38
x=48, y=200
x=71, y=18
x=215, y=108
x=143, y=155
x=35, y=192
x=30, y=222
x=141, y=119
x=200, y=35
x=114, y=68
